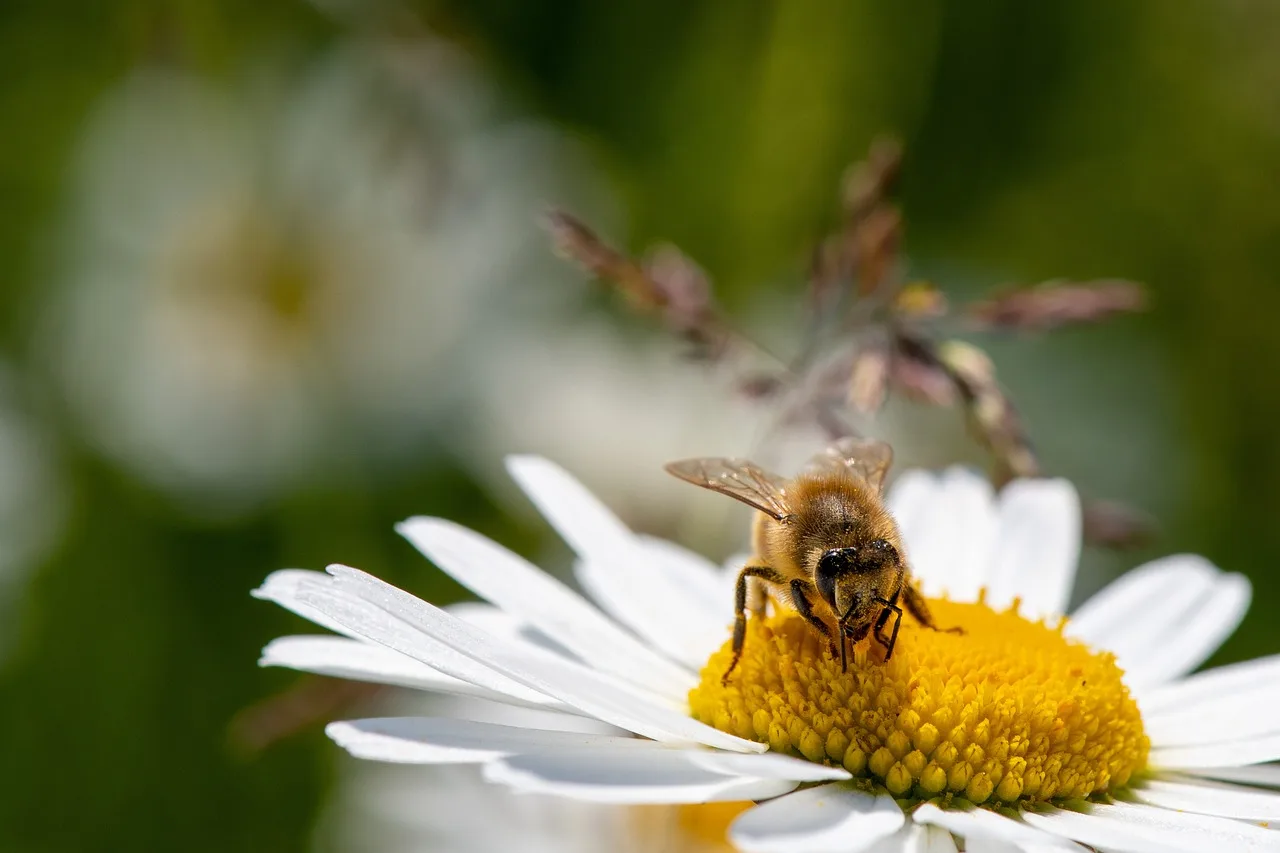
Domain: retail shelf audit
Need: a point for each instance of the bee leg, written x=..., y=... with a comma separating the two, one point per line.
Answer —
x=920, y=610
x=765, y=574
x=758, y=600
x=890, y=609
x=800, y=592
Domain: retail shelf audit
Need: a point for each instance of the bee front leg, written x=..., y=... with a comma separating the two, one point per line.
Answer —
x=800, y=592
x=757, y=598
x=765, y=574
x=891, y=608
x=915, y=603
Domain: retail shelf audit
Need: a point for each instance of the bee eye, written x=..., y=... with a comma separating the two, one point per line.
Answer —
x=877, y=554
x=882, y=549
x=831, y=566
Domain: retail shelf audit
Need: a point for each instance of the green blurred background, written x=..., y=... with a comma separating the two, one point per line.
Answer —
x=277, y=150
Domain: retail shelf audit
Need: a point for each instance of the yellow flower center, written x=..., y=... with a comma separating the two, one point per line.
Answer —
x=700, y=828
x=1010, y=710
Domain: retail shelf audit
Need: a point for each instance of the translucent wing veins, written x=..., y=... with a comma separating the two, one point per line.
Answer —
x=739, y=479
x=867, y=458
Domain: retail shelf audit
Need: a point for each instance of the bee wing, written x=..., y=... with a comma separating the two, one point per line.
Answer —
x=865, y=457
x=739, y=479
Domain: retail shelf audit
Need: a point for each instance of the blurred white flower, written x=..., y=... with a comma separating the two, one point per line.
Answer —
x=266, y=283
x=32, y=504
x=615, y=408
x=618, y=409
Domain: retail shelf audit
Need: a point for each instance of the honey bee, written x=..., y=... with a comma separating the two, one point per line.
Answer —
x=822, y=541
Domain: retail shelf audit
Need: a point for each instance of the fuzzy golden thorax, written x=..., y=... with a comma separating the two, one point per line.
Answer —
x=830, y=510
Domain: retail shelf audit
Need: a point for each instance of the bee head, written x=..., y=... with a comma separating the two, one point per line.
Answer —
x=858, y=567
x=832, y=566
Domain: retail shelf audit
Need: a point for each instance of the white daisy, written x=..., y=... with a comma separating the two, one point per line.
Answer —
x=1057, y=741
x=267, y=284
x=32, y=498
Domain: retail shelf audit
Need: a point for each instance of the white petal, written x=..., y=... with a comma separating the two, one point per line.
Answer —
x=914, y=838
x=525, y=591
x=770, y=765
x=908, y=498
x=340, y=657
x=1124, y=614
x=1213, y=798
x=762, y=766
x=1210, y=685
x=817, y=820
x=1255, y=750
x=507, y=714
x=297, y=592
x=948, y=527
x=1188, y=641
x=1257, y=775
x=282, y=587
x=441, y=740
x=929, y=839
x=1226, y=704
x=1037, y=547
x=1143, y=829
x=981, y=823
x=499, y=623
x=1199, y=606
x=685, y=633
x=634, y=776
x=985, y=844
x=697, y=575
x=400, y=621
x=617, y=568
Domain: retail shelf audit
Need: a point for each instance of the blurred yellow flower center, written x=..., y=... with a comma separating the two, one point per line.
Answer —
x=698, y=828
x=1010, y=710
